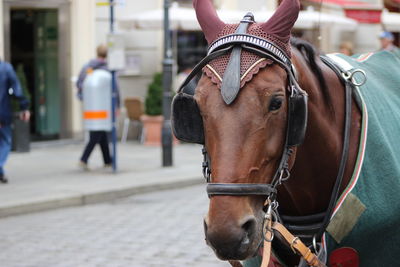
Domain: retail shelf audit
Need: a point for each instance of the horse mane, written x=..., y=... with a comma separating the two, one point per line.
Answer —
x=310, y=53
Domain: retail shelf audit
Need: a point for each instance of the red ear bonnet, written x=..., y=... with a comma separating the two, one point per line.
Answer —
x=276, y=30
x=281, y=23
x=208, y=19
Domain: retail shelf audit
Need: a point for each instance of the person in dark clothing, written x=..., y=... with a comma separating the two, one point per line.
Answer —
x=95, y=137
x=9, y=87
x=101, y=138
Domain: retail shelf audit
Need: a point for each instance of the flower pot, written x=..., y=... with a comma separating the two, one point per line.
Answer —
x=152, y=126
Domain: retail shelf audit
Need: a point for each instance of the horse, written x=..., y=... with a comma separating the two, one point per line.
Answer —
x=287, y=138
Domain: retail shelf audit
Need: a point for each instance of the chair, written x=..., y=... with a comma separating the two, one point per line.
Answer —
x=134, y=109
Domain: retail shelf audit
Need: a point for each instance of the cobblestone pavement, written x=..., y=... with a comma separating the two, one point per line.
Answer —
x=156, y=229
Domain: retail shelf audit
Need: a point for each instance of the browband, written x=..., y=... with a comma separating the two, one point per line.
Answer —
x=242, y=38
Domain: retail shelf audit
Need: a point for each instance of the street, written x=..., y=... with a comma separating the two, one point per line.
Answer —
x=163, y=228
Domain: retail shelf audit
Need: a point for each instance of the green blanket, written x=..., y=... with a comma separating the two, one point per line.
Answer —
x=367, y=215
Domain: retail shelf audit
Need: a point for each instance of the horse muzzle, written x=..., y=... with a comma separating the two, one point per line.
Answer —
x=233, y=241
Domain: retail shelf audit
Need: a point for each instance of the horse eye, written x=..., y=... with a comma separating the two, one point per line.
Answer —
x=275, y=104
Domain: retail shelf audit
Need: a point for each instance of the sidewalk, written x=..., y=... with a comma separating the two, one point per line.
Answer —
x=48, y=177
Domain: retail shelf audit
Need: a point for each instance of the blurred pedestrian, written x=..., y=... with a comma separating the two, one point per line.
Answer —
x=346, y=48
x=9, y=87
x=96, y=135
x=387, y=43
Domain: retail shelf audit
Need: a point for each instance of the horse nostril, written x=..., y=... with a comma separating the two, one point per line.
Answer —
x=249, y=227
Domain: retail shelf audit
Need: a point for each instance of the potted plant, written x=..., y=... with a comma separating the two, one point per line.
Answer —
x=152, y=119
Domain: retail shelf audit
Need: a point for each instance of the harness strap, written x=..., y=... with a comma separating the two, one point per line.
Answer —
x=296, y=245
x=267, y=245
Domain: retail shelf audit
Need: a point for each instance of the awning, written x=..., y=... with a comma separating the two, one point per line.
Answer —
x=347, y=4
x=311, y=19
x=360, y=11
x=182, y=18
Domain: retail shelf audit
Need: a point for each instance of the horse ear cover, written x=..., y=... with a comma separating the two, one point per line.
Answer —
x=187, y=123
x=297, y=118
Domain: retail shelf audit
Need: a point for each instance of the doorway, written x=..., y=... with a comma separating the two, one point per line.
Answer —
x=34, y=54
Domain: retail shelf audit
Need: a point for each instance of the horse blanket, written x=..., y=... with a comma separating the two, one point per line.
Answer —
x=367, y=214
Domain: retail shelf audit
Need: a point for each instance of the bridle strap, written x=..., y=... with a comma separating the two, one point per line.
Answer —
x=202, y=64
x=218, y=189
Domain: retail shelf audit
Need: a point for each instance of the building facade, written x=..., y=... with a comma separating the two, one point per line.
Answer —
x=50, y=40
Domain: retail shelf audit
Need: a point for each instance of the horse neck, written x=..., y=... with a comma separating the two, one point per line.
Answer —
x=317, y=160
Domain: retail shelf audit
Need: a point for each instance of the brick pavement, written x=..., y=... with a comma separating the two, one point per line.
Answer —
x=155, y=229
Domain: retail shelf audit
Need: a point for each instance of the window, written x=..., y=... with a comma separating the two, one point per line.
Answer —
x=192, y=47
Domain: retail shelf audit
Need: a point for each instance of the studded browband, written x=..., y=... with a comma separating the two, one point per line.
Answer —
x=241, y=39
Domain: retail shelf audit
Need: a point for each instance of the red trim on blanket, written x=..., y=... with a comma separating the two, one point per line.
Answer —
x=361, y=153
x=364, y=57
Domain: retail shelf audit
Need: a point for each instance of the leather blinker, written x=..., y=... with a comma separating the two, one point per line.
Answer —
x=297, y=123
x=187, y=123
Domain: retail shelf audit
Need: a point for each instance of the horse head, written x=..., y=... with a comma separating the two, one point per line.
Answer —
x=245, y=143
x=241, y=112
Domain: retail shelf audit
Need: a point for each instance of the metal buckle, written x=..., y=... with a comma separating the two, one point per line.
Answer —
x=270, y=216
x=282, y=178
x=206, y=172
x=294, y=242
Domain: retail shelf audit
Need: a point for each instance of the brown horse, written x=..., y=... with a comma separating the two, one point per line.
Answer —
x=246, y=138
x=245, y=142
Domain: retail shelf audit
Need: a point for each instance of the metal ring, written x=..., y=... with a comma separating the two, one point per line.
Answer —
x=354, y=81
x=265, y=231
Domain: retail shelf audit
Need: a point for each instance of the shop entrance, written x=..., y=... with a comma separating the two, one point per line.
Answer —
x=34, y=54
